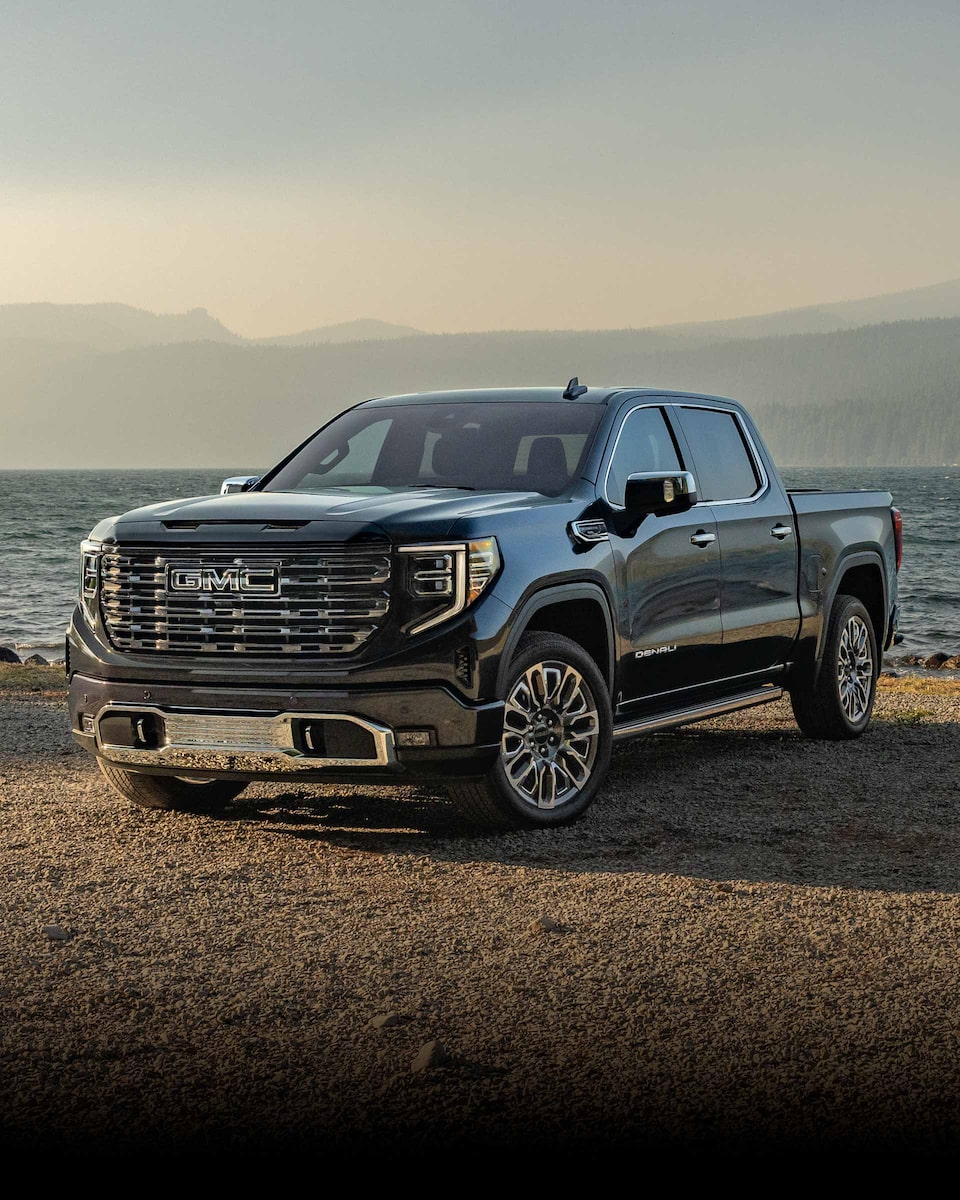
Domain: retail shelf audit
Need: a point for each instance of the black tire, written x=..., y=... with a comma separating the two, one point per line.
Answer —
x=168, y=791
x=818, y=699
x=495, y=801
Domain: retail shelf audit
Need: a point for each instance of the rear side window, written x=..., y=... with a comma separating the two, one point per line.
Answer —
x=644, y=444
x=725, y=469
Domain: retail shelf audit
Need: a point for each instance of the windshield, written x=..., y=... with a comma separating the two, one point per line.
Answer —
x=494, y=446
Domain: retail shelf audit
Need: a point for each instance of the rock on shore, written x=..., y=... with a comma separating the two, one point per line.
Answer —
x=938, y=661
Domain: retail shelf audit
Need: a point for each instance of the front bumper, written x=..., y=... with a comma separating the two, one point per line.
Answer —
x=258, y=733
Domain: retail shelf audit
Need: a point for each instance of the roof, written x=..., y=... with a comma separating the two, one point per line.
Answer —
x=539, y=395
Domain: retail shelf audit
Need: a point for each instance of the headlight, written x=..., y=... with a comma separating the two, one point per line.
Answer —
x=451, y=573
x=90, y=552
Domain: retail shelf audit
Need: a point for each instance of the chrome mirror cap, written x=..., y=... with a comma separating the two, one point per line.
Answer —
x=660, y=492
x=237, y=483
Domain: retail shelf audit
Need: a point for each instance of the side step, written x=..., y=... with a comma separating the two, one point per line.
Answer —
x=699, y=712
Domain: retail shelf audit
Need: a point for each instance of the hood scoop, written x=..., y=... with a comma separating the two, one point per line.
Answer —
x=269, y=526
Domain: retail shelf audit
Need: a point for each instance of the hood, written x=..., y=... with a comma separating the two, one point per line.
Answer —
x=332, y=515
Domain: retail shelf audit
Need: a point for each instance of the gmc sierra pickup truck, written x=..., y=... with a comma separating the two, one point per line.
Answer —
x=486, y=589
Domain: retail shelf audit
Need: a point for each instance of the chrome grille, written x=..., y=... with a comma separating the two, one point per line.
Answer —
x=332, y=599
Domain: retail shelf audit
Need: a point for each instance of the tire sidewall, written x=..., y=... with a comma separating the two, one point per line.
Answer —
x=169, y=792
x=540, y=647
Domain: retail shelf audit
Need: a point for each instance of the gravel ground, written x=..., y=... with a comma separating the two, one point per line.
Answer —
x=750, y=943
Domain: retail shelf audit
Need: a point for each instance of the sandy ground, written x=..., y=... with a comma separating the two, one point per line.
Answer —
x=757, y=948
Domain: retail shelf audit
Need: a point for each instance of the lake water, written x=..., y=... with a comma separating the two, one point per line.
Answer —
x=45, y=514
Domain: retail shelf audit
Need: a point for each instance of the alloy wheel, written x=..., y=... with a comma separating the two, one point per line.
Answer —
x=855, y=669
x=551, y=732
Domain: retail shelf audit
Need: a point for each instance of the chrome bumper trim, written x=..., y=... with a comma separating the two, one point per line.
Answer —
x=224, y=741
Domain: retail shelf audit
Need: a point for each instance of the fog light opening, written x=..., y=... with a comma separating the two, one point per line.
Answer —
x=131, y=731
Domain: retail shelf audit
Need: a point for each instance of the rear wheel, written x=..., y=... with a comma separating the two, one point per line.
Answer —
x=555, y=747
x=168, y=791
x=838, y=704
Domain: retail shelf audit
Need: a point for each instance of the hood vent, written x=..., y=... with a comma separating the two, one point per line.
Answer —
x=259, y=523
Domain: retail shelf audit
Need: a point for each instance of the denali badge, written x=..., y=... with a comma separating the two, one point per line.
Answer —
x=656, y=650
x=256, y=581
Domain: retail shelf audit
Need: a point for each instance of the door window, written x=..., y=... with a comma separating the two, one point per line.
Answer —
x=725, y=469
x=644, y=444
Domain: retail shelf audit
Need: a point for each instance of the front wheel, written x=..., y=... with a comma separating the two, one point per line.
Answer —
x=838, y=704
x=555, y=746
x=169, y=791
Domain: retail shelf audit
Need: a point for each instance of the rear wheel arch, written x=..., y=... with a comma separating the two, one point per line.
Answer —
x=836, y=703
x=860, y=575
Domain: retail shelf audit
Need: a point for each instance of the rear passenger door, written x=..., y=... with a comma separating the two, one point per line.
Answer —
x=758, y=541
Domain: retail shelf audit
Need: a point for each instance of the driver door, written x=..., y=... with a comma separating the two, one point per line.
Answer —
x=669, y=569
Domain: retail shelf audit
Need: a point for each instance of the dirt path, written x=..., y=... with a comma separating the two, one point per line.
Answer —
x=758, y=944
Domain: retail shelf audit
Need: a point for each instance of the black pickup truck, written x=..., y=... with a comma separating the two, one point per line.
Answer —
x=482, y=588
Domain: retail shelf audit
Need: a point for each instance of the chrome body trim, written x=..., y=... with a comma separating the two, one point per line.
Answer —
x=730, y=680
x=589, y=531
x=237, y=483
x=223, y=741
x=697, y=712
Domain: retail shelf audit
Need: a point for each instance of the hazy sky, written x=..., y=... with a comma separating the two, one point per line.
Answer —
x=460, y=164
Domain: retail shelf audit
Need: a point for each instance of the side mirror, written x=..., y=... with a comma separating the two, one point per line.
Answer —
x=653, y=492
x=237, y=483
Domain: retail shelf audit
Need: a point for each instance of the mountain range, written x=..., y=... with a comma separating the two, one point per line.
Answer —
x=872, y=382
x=110, y=327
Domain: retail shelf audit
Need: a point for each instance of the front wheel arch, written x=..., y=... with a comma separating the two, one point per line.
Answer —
x=538, y=613
x=495, y=801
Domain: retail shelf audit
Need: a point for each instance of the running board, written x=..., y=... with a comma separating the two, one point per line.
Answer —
x=699, y=712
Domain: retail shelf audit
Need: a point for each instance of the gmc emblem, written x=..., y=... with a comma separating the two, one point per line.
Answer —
x=251, y=581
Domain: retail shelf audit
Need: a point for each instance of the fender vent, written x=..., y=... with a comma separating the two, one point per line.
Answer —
x=589, y=531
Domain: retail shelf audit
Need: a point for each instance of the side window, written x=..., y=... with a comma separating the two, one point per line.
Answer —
x=725, y=470
x=353, y=461
x=644, y=444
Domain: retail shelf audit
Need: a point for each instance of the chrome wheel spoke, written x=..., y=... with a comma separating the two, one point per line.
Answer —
x=575, y=765
x=584, y=725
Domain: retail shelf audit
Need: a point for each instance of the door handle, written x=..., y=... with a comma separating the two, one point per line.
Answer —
x=780, y=532
x=702, y=538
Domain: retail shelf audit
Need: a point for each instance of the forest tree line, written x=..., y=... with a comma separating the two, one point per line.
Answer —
x=881, y=394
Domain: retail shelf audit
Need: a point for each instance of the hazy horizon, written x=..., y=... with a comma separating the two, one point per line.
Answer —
x=457, y=167
x=829, y=302
x=549, y=183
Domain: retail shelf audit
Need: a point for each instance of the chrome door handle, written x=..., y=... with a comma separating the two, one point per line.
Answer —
x=780, y=532
x=701, y=538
